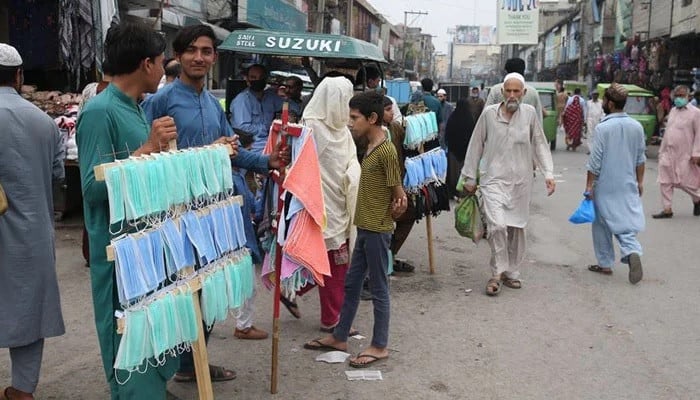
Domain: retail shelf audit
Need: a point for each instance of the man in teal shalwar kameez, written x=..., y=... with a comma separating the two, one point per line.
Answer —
x=113, y=126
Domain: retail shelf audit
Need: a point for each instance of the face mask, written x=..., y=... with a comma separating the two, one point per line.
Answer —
x=680, y=102
x=474, y=95
x=258, y=86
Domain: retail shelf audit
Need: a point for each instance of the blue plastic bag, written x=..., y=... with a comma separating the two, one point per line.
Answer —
x=585, y=213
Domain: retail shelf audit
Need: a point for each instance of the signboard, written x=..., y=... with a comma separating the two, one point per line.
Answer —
x=257, y=41
x=518, y=22
x=272, y=14
x=467, y=34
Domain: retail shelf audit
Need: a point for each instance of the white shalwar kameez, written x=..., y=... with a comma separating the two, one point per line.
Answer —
x=504, y=151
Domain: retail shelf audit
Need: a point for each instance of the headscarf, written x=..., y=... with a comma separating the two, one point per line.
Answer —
x=458, y=130
x=330, y=103
x=328, y=114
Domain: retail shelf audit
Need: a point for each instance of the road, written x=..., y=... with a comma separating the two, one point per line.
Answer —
x=568, y=334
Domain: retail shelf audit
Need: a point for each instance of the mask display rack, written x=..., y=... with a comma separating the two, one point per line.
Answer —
x=189, y=279
x=421, y=128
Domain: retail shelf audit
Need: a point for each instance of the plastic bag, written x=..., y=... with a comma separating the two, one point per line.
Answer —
x=468, y=222
x=585, y=213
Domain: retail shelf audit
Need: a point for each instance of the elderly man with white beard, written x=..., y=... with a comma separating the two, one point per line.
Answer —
x=515, y=136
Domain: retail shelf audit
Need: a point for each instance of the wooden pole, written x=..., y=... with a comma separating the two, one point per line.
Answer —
x=429, y=232
x=278, y=262
x=200, y=356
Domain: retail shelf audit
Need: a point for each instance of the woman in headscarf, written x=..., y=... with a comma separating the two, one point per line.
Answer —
x=458, y=132
x=327, y=114
x=573, y=123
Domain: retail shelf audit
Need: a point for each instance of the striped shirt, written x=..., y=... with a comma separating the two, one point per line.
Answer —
x=380, y=172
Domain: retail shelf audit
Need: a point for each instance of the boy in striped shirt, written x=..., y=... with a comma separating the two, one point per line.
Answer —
x=380, y=200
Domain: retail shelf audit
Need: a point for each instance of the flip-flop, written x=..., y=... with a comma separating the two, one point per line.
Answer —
x=598, y=269
x=373, y=360
x=291, y=306
x=321, y=346
x=352, y=332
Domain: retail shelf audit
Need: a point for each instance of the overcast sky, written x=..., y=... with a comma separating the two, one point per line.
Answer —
x=442, y=14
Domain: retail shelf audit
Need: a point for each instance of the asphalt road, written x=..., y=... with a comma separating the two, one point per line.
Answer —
x=567, y=334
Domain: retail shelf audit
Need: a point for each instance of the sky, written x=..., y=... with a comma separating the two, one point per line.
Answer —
x=442, y=15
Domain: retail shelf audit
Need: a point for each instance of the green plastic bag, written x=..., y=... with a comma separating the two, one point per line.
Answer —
x=468, y=222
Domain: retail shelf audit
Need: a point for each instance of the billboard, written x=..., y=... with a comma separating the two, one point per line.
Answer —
x=468, y=34
x=518, y=21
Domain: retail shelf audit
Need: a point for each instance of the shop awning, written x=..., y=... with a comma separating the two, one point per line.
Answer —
x=181, y=20
x=258, y=41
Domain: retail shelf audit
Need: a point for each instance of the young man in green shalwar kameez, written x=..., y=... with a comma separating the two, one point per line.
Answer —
x=113, y=126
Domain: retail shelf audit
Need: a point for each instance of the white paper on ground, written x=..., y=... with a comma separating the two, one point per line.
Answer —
x=358, y=337
x=333, y=357
x=364, y=375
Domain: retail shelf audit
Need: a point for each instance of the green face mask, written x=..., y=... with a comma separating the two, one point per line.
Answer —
x=135, y=345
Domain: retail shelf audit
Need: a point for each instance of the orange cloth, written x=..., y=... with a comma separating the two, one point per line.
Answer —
x=305, y=245
x=303, y=181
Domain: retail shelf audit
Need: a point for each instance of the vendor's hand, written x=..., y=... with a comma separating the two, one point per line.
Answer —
x=551, y=186
x=229, y=141
x=279, y=157
x=163, y=130
x=469, y=189
x=695, y=160
x=398, y=206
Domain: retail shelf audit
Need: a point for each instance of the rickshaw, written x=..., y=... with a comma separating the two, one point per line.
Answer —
x=333, y=51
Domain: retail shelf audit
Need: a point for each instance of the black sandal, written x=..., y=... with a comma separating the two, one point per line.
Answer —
x=600, y=270
x=291, y=306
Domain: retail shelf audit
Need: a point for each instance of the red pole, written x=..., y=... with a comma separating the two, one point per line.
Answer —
x=278, y=259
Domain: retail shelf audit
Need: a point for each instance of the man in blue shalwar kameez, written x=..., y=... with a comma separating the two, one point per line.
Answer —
x=615, y=183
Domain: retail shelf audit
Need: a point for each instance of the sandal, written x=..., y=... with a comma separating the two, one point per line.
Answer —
x=291, y=306
x=600, y=270
x=218, y=374
x=373, y=359
x=403, y=266
x=316, y=344
x=512, y=283
x=493, y=287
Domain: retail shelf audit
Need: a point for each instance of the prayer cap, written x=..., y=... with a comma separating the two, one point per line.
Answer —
x=441, y=91
x=514, y=75
x=9, y=57
x=616, y=92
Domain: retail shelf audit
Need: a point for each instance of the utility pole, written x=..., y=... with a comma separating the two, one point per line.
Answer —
x=348, y=19
x=405, y=32
x=582, y=44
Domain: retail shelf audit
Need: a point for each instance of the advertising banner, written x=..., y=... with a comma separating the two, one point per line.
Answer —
x=518, y=21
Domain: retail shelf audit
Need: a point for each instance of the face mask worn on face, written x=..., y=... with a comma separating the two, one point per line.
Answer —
x=680, y=102
x=258, y=85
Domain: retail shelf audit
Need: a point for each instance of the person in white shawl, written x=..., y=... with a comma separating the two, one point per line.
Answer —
x=504, y=141
x=327, y=114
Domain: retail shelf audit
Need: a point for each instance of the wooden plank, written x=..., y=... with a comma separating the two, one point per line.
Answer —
x=201, y=357
x=429, y=232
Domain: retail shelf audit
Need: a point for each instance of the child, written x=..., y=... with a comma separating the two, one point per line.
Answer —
x=380, y=199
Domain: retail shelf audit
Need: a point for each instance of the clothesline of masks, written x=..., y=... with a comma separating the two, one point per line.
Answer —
x=420, y=128
x=165, y=323
x=425, y=168
x=146, y=260
x=148, y=186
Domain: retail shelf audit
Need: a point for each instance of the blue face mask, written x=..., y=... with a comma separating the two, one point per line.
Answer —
x=680, y=102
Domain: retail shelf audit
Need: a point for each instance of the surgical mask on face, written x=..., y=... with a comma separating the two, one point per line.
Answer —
x=680, y=102
x=512, y=105
x=258, y=85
